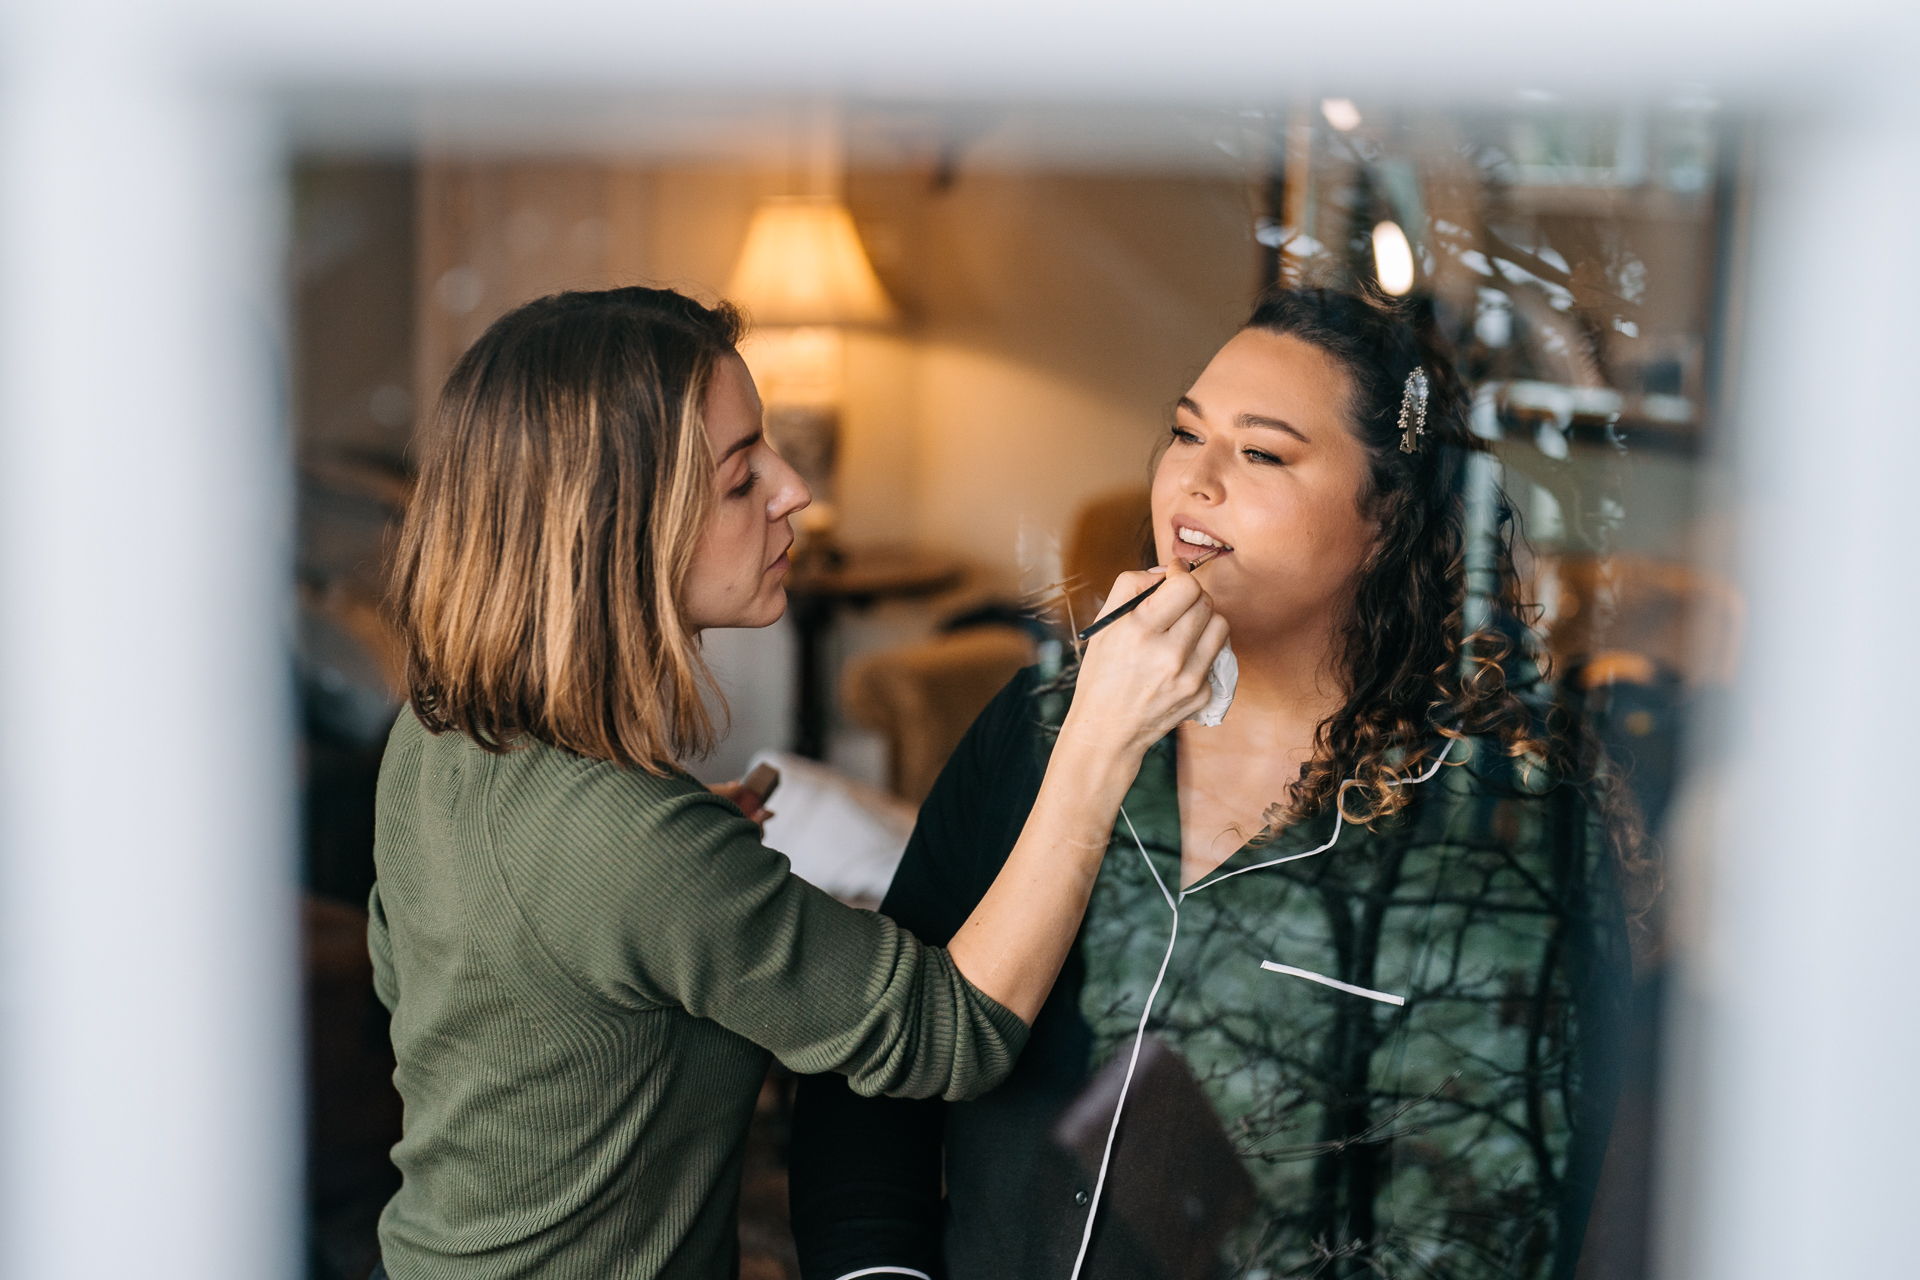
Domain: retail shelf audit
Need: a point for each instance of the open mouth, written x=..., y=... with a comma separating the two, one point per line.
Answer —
x=1193, y=543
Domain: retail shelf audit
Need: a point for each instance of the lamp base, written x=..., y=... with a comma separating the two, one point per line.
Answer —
x=816, y=549
x=808, y=437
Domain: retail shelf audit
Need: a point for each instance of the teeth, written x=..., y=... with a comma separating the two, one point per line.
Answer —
x=1197, y=538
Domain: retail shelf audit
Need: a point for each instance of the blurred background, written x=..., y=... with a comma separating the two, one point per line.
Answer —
x=241, y=246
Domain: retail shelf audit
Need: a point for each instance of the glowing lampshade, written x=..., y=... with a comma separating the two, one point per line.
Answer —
x=1392, y=258
x=803, y=265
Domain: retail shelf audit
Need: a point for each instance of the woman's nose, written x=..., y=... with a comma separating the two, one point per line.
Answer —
x=790, y=492
x=1202, y=478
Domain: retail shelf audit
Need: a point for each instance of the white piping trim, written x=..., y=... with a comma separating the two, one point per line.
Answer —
x=1339, y=823
x=1171, y=904
x=1139, y=1038
x=885, y=1271
x=1336, y=984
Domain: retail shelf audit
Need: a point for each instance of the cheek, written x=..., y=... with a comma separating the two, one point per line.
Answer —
x=1156, y=522
x=747, y=528
x=1314, y=540
x=726, y=547
x=1162, y=494
x=1342, y=537
x=1290, y=523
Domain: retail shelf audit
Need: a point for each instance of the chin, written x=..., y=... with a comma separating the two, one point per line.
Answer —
x=772, y=611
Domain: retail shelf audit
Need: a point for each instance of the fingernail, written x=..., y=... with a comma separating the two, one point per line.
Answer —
x=1159, y=568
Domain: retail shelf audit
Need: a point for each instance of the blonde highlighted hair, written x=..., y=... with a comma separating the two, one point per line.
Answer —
x=564, y=480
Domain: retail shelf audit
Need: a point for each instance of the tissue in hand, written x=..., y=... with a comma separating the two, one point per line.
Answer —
x=1222, y=678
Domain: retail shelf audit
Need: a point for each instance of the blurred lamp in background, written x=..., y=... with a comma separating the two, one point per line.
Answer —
x=1392, y=258
x=1341, y=113
x=803, y=278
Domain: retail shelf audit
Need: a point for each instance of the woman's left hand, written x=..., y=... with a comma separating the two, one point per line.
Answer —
x=749, y=801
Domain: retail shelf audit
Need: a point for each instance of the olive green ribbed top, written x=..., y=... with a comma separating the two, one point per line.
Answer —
x=587, y=967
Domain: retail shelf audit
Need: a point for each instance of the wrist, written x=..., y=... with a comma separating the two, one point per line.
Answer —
x=1093, y=763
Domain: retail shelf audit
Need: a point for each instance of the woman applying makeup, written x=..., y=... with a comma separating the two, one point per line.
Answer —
x=1336, y=1009
x=589, y=957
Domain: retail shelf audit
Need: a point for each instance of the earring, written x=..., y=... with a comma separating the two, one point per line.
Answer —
x=1413, y=409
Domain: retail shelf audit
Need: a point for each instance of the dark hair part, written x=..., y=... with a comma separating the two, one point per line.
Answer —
x=1417, y=674
x=564, y=480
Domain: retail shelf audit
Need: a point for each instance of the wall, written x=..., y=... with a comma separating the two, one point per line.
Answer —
x=352, y=294
x=1050, y=319
x=1058, y=315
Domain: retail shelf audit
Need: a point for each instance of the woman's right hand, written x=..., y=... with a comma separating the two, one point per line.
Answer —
x=1138, y=679
x=1148, y=671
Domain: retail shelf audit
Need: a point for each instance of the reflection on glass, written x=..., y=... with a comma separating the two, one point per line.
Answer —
x=1426, y=1050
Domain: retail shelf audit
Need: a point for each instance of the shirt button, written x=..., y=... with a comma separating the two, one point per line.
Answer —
x=1080, y=1198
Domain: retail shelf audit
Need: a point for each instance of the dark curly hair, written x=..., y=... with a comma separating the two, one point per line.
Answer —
x=1437, y=647
x=1425, y=658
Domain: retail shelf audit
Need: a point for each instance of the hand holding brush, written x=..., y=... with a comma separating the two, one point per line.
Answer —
x=1127, y=608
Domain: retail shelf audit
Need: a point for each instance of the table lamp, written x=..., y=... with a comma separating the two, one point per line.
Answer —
x=803, y=277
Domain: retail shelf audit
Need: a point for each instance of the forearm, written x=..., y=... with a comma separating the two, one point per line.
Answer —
x=1139, y=679
x=1012, y=946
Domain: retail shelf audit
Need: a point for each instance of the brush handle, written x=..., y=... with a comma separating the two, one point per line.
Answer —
x=1119, y=613
x=1134, y=603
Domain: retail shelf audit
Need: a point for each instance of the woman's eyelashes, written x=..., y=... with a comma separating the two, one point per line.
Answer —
x=1185, y=435
x=746, y=486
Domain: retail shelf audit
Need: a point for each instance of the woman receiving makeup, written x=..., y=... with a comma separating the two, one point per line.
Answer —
x=1336, y=1009
x=589, y=957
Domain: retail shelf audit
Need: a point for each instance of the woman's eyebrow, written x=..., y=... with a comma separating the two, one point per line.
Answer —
x=744, y=442
x=1247, y=420
x=1272, y=424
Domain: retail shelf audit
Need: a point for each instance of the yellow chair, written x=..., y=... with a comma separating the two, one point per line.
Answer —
x=1110, y=537
x=921, y=697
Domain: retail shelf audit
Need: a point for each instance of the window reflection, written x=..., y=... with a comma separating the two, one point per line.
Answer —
x=1061, y=274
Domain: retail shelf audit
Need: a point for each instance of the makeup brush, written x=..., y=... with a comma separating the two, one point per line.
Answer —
x=1134, y=603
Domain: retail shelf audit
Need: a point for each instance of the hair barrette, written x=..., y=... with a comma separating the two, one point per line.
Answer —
x=1413, y=410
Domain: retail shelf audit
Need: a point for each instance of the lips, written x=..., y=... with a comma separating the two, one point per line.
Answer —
x=1192, y=540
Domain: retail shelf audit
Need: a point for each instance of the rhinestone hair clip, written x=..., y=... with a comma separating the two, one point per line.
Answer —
x=1413, y=410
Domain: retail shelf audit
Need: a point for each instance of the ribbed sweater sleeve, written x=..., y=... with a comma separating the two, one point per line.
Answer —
x=651, y=892
x=386, y=983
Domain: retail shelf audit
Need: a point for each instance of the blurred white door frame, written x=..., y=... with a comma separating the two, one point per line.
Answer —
x=149, y=1111
x=1792, y=1030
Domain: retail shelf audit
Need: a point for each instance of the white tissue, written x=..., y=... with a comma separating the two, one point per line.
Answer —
x=1223, y=678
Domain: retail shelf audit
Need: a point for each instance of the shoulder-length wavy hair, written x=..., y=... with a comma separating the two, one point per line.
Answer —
x=564, y=479
x=1425, y=658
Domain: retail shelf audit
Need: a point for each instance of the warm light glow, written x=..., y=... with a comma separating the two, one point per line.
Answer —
x=1340, y=113
x=1392, y=258
x=803, y=265
x=800, y=365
